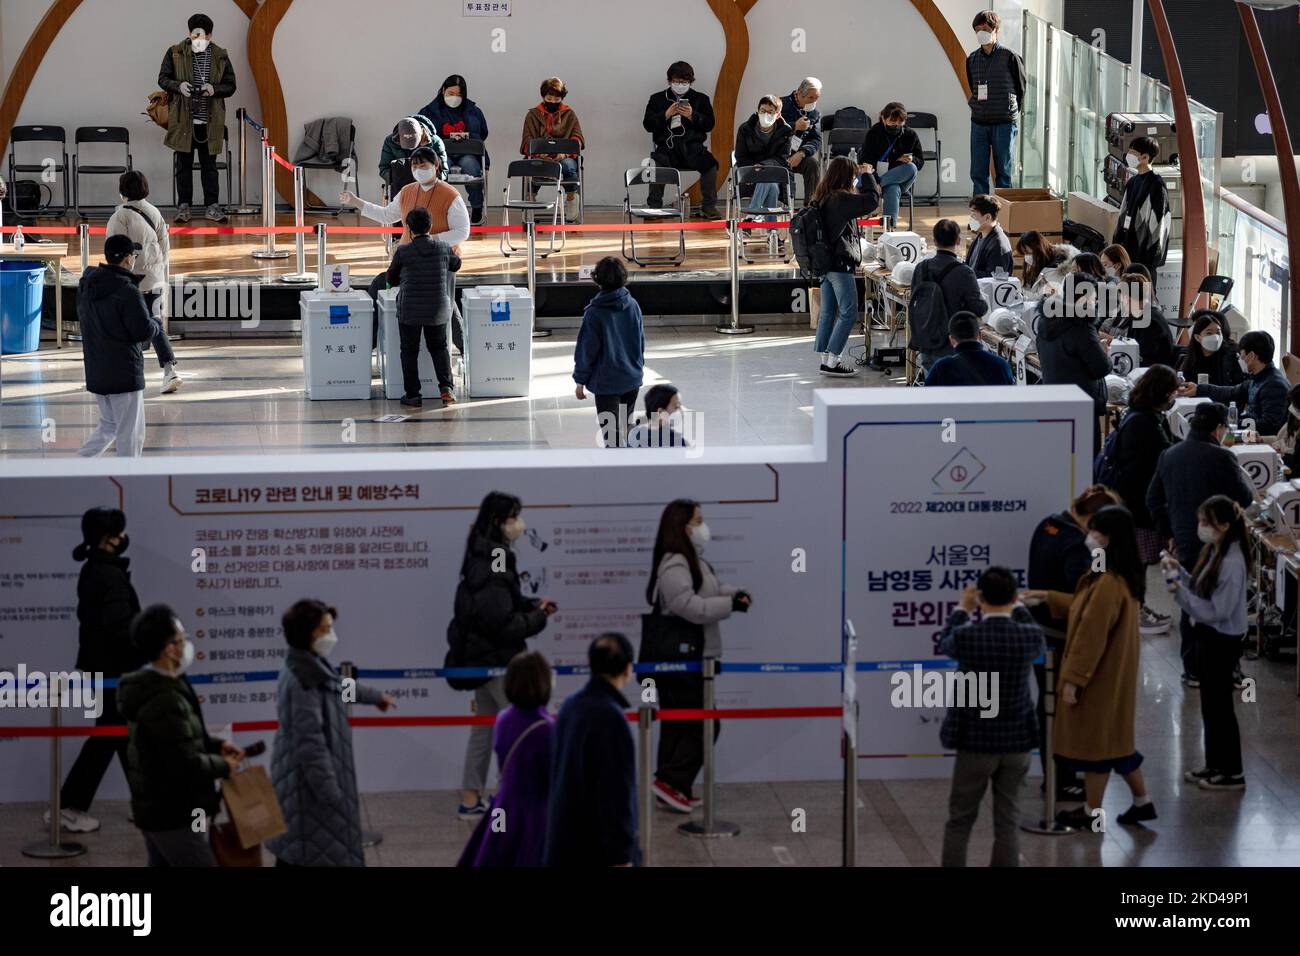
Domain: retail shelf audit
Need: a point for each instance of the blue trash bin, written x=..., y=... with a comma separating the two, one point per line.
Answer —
x=22, y=289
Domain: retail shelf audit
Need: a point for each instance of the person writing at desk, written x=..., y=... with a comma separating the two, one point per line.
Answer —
x=1263, y=395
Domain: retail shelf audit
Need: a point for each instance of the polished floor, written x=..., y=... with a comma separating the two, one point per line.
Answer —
x=900, y=822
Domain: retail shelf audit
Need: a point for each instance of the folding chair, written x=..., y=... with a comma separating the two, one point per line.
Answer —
x=777, y=247
x=322, y=164
x=467, y=147
x=38, y=134
x=97, y=134
x=546, y=173
x=920, y=121
x=553, y=149
x=653, y=176
x=222, y=164
x=839, y=141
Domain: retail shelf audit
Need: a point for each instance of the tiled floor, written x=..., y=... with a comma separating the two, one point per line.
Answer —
x=247, y=398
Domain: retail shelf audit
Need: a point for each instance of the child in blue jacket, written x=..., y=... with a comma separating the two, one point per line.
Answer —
x=610, y=355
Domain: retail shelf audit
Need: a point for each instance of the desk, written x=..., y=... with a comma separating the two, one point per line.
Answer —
x=50, y=253
x=1270, y=545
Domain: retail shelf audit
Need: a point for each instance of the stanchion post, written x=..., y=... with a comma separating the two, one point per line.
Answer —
x=1048, y=825
x=53, y=849
x=349, y=672
x=644, y=719
x=733, y=268
x=300, y=240
x=530, y=230
x=850, y=735
x=83, y=241
x=711, y=826
x=243, y=209
x=268, y=206
x=322, y=267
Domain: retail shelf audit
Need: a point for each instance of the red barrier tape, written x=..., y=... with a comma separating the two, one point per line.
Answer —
x=717, y=713
x=398, y=230
x=633, y=227
x=42, y=230
x=282, y=161
x=240, y=230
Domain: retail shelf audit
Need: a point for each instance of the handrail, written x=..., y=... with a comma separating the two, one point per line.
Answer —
x=1254, y=212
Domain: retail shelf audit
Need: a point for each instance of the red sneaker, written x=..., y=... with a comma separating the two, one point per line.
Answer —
x=672, y=798
x=447, y=397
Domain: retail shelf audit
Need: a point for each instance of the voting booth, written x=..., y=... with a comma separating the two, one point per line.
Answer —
x=336, y=333
x=390, y=352
x=498, y=341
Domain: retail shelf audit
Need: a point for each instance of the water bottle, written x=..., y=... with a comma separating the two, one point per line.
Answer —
x=19, y=241
x=853, y=157
x=1233, y=418
x=1171, y=574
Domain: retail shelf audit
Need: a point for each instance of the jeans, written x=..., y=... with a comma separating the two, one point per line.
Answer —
x=1216, y=656
x=893, y=183
x=568, y=171
x=207, y=171
x=766, y=196
x=435, y=337
x=78, y=791
x=490, y=699
x=971, y=773
x=180, y=847
x=999, y=139
x=470, y=166
x=162, y=346
x=613, y=412
x=839, y=311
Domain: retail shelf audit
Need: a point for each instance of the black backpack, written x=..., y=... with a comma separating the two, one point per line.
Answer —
x=1105, y=467
x=927, y=312
x=812, y=252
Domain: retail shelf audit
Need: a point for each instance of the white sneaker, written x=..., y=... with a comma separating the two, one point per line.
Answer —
x=171, y=380
x=74, y=821
x=1152, y=622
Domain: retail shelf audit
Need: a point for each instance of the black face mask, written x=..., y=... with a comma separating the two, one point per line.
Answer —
x=893, y=131
x=122, y=545
x=552, y=107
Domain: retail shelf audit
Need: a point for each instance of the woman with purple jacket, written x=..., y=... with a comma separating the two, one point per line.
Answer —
x=513, y=831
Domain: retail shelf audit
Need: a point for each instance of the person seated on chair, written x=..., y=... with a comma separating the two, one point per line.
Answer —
x=679, y=120
x=663, y=411
x=1041, y=258
x=764, y=140
x=450, y=219
x=799, y=109
x=990, y=250
x=894, y=152
x=422, y=271
x=408, y=135
x=970, y=363
x=457, y=118
x=552, y=118
x=1141, y=318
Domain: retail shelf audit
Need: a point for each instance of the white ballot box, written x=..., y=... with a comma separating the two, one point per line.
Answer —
x=336, y=330
x=1262, y=465
x=390, y=352
x=498, y=341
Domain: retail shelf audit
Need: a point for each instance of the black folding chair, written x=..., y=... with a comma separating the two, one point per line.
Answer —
x=555, y=148
x=96, y=135
x=653, y=176
x=38, y=134
x=467, y=147
x=777, y=247
x=928, y=121
x=530, y=173
x=350, y=167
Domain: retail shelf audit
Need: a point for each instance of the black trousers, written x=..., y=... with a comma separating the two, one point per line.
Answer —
x=1187, y=644
x=207, y=170
x=78, y=791
x=1065, y=776
x=379, y=283
x=810, y=170
x=681, y=742
x=613, y=413
x=701, y=161
x=435, y=337
x=1216, y=655
x=162, y=345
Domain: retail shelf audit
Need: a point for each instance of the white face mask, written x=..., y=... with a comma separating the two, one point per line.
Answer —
x=1211, y=343
x=1207, y=534
x=187, y=656
x=700, y=535
x=975, y=224
x=766, y=119
x=1132, y=160
x=514, y=529
x=675, y=420
x=1111, y=271
x=325, y=643
x=1295, y=411
x=1029, y=260
x=199, y=45
x=423, y=174
x=984, y=37
x=681, y=89
x=1241, y=361
x=1093, y=543
x=453, y=102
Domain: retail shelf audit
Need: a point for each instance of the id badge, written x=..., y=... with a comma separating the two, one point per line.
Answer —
x=1128, y=222
x=982, y=91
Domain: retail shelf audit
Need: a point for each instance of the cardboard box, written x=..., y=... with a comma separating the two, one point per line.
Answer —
x=1021, y=210
x=1094, y=212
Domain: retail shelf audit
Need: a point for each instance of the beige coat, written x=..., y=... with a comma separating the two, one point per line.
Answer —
x=1101, y=657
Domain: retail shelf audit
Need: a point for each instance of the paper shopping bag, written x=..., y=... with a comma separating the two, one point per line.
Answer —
x=255, y=812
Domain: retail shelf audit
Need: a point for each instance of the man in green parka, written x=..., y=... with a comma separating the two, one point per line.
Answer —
x=198, y=76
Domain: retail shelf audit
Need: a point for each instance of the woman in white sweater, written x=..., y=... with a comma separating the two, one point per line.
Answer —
x=138, y=218
x=1214, y=596
x=682, y=584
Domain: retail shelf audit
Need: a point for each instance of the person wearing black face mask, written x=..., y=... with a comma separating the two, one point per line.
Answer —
x=552, y=118
x=894, y=153
x=106, y=603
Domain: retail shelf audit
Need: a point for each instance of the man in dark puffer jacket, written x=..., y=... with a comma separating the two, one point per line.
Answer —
x=172, y=763
x=422, y=271
x=1069, y=350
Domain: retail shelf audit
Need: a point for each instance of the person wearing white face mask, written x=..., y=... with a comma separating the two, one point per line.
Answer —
x=799, y=109
x=997, y=81
x=684, y=587
x=1145, y=216
x=679, y=120
x=312, y=769
x=173, y=764
x=1262, y=397
x=1211, y=351
x=663, y=426
x=764, y=140
x=990, y=249
x=458, y=119
x=199, y=78
x=493, y=619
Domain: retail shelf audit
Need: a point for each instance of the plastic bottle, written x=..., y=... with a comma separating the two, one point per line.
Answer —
x=19, y=241
x=1233, y=417
x=853, y=157
x=1171, y=575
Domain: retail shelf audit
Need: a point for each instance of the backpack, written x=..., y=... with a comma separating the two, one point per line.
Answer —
x=927, y=313
x=456, y=658
x=812, y=252
x=1105, y=467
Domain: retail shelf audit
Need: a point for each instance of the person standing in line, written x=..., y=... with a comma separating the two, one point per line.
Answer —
x=1069, y=348
x=423, y=271
x=994, y=745
x=1214, y=595
x=140, y=219
x=115, y=324
x=198, y=75
x=492, y=620
x=312, y=769
x=1096, y=708
x=997, y=81
x=106, y=605
x=609, y=357
x=523, y=744
x=173, y=764
x=682, y=584
x=592, y=816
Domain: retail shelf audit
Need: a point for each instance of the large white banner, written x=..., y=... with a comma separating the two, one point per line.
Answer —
x=809, y=531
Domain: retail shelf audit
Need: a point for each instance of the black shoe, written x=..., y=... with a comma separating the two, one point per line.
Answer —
x=1069, y=793
x=1223, y=781
x=710, y=212
x=1196, y=776
x=476, y=216
x=1136, y=814
x=838, y=370
x=412, y=401
x=1190, y=682
x=1076, y=819
x=1239, y=680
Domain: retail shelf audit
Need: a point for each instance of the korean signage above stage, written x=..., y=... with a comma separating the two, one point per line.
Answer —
x=486, y=8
